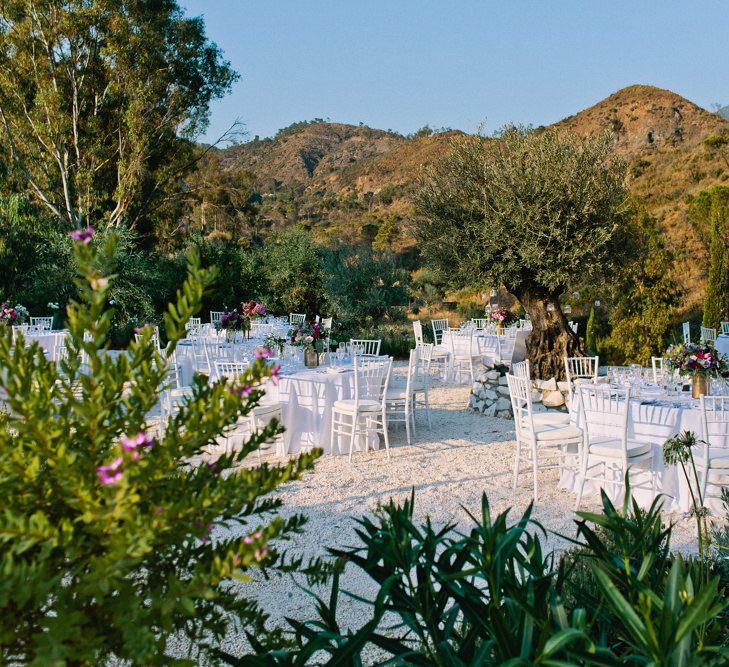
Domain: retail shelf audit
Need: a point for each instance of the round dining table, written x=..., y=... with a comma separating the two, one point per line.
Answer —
x=307, y=400
x=652, y=418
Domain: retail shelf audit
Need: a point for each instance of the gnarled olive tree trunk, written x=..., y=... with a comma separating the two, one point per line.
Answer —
x=551, y=339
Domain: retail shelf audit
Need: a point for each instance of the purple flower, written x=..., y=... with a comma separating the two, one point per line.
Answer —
x=260, y=309
x=215, y=467
x=83, y=235
x=158, y=510
x=261, y=353
x=275, y=373
x=112, y=473
x=241, y=390
x=140, y=440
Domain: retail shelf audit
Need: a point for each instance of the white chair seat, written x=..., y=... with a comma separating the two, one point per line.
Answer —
x=349, y=405
x=398, y=391
x=613, y=447
x=467, y=357
x=552, y=433
x=550, y=418
x=440, y=351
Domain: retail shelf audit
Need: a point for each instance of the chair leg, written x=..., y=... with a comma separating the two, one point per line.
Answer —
x=427, y=408
x=535, y=471
x=407, y=421
x=352, y=435
x=385, y=435
x=333, y=433
x=583, y=474
x=517, y=461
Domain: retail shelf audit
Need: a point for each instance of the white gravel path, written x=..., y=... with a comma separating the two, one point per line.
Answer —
x=450, y=467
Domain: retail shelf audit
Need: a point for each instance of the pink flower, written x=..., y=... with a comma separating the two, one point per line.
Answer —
x=241, y=390
x=261, y=353
x=275, y=373
x=112, y=473
x=83, y=235
x=260, y=309
x=140, y=440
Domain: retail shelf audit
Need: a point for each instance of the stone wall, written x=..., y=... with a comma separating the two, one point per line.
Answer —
x=490, y=394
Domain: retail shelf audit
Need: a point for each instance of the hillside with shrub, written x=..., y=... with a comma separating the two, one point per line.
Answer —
x=355, y=183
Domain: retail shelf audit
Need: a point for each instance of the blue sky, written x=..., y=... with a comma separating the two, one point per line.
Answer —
x=401, y=64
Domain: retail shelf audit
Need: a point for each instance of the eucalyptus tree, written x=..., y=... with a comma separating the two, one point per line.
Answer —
x=99, y=102
x=534, y=211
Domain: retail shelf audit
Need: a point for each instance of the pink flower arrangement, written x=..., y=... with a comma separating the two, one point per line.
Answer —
x=252, y=310
x=308, y=336
x=503, y=316
x=230, y=320
x=8, y=314
x=697, y=359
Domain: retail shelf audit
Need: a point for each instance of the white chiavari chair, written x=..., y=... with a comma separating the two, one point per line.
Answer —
x=439, y=328
x=422, y=379
x=537, y=442
x=604, y=411
x=708, y=335
x=42, y=323
x=522, y=370
x=725, y=328
x=712, y=465
x=365, y=415
x=365, y=347
x=579, y=370
x=418, y=332
x=297, y=319
x=257, y=418
x=400, y=399
x=463, y=353
x=215, y=316
x=193, y=326
x=479, y=322
x=686, y=332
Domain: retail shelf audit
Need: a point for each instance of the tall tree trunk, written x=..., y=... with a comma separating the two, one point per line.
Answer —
x=551, y=339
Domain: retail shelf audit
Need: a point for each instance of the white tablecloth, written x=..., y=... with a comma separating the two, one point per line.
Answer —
x=307, y=399
x=494, y=348
x=653, y=422
x=722, y=344
x=48, y=341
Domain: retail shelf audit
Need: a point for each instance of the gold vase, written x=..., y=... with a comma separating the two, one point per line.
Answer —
x=700, y=385
x=500, y=329
x=311, y=358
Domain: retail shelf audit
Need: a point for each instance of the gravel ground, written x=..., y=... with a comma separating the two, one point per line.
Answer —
x=449, y=467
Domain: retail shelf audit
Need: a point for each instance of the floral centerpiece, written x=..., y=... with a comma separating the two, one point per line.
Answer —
x=10, y=315
x=251, y=311
x=274, y=344
x=311, y=338
x=230, y=322
x=503, y=317
x=700, y=362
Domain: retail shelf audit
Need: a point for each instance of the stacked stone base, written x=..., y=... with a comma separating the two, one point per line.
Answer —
x=490, y=394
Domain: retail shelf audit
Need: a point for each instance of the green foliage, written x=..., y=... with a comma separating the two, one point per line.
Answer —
x=709, y=212
x=534, y=209
x=362, y=286
x=116, y=536
x=99, y=101
x=291, y=267
x=590, y=334
x=491, y=596
x=645, y=296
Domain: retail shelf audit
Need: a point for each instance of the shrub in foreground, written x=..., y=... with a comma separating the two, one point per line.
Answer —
x=493, y=596
x=108, y=528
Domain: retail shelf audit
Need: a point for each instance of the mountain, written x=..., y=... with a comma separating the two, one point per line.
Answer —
x=724, y=112
x=353, y=182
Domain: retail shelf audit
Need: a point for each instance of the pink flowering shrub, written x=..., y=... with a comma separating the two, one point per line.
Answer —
x=114, y=536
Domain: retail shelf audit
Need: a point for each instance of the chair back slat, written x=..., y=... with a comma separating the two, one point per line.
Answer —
x=418, y=332
x=439, y=328
x=605, y=412
x=521, y=370
x=708, y=335
x=370, y=379
x=521, y=405
x=686, y=332
x=297, y=318
x=365, y=347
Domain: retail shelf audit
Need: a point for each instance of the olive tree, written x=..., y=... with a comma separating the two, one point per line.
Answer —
x=534, y=211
